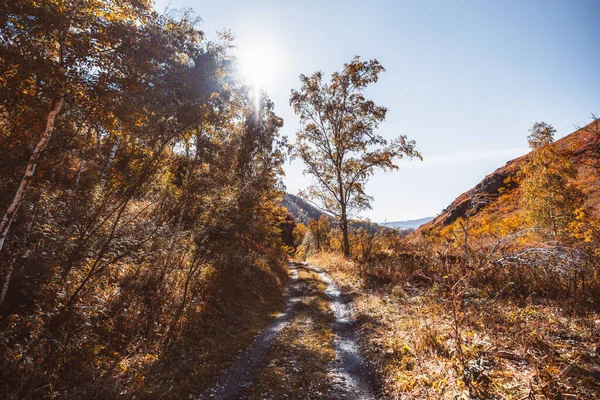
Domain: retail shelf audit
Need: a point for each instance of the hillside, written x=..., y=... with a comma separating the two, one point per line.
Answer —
x=300, y=209
x=579, y=142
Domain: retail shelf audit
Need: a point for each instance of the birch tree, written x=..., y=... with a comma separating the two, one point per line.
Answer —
x=338, y=141
x=61, y=55
x=549, y=193
x=55, y=49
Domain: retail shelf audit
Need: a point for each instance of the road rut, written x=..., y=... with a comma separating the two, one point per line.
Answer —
x=346, y=374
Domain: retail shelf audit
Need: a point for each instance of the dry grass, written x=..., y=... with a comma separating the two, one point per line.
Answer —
x=511, y=349
x=215, y=333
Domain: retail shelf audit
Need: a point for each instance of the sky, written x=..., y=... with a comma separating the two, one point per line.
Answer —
x=464, y=79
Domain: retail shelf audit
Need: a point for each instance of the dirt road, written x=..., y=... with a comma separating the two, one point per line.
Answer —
x=308, y=352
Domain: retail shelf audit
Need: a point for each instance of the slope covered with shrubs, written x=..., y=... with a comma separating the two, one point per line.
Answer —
x=498, y=297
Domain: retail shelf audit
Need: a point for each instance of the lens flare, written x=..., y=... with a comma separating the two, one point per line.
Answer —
x=257, y=65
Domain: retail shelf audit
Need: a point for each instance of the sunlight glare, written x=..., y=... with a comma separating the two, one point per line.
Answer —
x=257, y=64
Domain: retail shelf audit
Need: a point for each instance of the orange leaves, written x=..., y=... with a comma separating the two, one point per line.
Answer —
x=584, y=227
x=549, y=194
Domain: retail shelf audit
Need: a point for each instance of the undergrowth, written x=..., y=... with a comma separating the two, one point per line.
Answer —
x=298, y=364
x=117, y=354
x=424, y=341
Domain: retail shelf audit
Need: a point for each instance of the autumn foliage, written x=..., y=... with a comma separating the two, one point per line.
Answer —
x=501, y=302
x=151, y=210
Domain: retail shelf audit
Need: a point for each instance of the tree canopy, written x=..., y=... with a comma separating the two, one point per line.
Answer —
x=137, y=171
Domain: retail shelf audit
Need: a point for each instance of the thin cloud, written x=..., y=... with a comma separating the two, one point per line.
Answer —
x=466, y=157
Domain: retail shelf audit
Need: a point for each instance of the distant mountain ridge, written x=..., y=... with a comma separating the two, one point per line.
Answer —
x=300, y=209
x=409, y=224
x=304, y=212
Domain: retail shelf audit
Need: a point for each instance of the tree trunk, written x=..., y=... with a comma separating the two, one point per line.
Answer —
x=14, y=205
x=318, y=235
x=175, y=237
x=346, y=242
x=106, y=169
x=343, y=203
x=78, y=177
x=22, y=190
x=7, y=276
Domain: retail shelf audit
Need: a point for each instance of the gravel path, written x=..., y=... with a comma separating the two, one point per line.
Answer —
x=348, y=371
x=239, y=374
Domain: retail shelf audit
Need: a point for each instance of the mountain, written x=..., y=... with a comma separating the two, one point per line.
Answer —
x=304, y=211
x=300, y=209
x=581, y=143
x=405, y=225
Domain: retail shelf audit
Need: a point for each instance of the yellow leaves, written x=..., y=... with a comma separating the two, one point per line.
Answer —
x=97, y=349
x=407, y=384
x=580, y=214
x=510, y=225
x=451, y=231
x=584, y=227
x=549, y=194
x=440, y=384
x=396, y=348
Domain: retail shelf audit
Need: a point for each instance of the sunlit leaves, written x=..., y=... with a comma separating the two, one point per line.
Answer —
x=163, y=175
x=549, y=193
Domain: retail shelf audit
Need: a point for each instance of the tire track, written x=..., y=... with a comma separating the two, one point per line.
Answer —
x=349, y=371
x=239, y=374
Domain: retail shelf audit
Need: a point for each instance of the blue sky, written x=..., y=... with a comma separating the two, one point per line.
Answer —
x=465, y=79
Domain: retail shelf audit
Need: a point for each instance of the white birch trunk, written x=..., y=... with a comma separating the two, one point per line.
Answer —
x=106, y=169
x=7, y=276
x=78, y=177
x=10, y=212
x=14, y=205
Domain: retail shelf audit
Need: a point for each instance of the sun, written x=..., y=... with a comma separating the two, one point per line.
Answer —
x=257, y=64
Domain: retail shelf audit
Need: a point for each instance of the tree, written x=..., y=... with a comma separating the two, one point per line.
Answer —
x=287, y=229
x=338, y=141
x=549, y=195
x=320, y=231
x=299, y=232
x=59, y=51
x=162, y=175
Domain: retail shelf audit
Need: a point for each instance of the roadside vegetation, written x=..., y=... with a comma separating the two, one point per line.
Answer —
x=500, y=304
x=140, y=245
